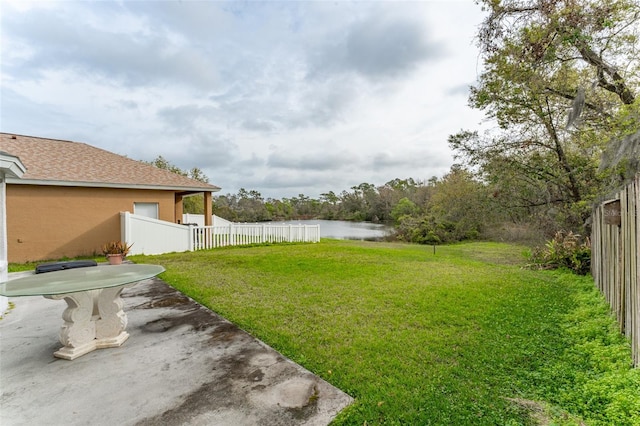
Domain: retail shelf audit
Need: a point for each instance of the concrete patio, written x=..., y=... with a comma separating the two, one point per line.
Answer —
x=182, y=365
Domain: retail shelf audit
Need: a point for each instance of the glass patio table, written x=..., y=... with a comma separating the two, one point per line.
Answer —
x=94, y=318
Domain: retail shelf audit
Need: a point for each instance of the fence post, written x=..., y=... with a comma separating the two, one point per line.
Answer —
x=125, y=227
x=190, y=244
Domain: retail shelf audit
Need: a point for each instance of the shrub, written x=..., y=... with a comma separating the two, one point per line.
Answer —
x=405, y=207
x=431, y=230
x=565, y=250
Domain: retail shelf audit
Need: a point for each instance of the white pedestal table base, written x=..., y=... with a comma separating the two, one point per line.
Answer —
x=94, y=319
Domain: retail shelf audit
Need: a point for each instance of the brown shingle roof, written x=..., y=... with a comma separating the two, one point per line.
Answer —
x=51, y=162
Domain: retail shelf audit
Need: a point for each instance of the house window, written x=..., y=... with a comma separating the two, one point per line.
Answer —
x=146, y=209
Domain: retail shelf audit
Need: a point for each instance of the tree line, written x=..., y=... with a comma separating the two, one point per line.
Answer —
x=454, y=207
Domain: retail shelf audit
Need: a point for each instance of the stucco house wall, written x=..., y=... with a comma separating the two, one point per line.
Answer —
x=71, y=221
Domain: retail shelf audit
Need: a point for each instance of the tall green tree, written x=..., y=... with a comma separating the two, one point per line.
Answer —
x=405, y=207
x=226, y=206
x=598, y=37
x=194, y=173
x=251, y=206
x=195, y=203
x=459, y=208
x=543, y=59
x=329, y=202
x=463, y=201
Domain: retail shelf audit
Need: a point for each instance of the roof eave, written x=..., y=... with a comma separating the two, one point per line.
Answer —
x=11, y=166
x=112, y=185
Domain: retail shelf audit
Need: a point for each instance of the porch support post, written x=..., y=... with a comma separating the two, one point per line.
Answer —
x=178, y=208
x=208, y=209
x=10, y=167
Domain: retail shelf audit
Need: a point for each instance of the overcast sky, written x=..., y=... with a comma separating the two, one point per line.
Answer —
x=280, y=97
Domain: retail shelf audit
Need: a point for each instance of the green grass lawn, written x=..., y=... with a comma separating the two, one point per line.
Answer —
x=464, y=336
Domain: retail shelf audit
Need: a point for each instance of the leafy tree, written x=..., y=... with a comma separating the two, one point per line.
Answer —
x=304, y=206
x=392, y=192
x=226, y=206
x=251, y=207
x=193, y=173
x=164, y=164
x=192, y=204
x=197, y=174
x=360, y=204
x=543, y=58
x=280, y=209
x=459, y=208
x=405, y=207
x=329, y=203
x=596, y=37
x=461, y=200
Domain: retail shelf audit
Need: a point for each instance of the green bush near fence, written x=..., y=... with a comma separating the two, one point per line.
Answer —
x=464, y=335
x=564, y=250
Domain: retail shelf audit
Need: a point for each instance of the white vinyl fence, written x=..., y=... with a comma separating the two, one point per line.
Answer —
x=206, y=237
x=152, y=236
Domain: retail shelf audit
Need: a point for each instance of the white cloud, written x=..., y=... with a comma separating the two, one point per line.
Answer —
x=281, y=97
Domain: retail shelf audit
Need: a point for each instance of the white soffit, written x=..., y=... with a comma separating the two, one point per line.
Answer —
x=11, y=166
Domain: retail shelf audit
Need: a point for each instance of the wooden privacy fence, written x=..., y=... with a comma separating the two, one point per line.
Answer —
x=615, y=262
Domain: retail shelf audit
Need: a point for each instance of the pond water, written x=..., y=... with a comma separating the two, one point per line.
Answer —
x=344, y=230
